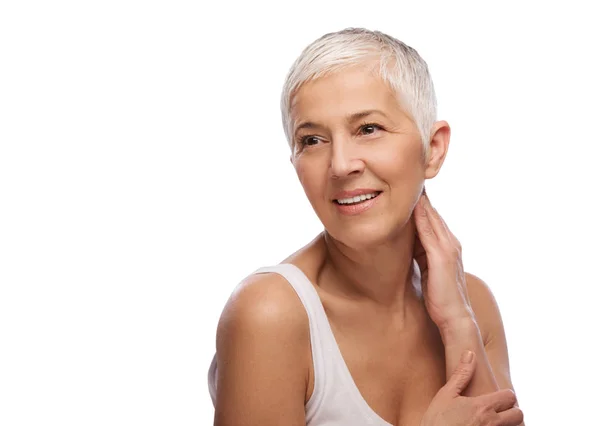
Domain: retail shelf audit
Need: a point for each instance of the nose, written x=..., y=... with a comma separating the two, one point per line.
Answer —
x=345, y=160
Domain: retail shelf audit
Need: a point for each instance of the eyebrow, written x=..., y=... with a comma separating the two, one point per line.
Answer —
x=349, y=119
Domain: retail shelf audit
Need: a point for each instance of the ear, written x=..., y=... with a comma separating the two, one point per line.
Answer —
x=438, y=148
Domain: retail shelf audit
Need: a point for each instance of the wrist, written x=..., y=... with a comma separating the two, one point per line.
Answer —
x=455, y=318
x=459, y=329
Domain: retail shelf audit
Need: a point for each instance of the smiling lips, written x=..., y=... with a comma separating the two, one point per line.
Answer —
x=355, y=202
x=356, y=198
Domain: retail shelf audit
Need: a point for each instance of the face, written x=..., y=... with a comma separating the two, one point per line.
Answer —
x=359, y=156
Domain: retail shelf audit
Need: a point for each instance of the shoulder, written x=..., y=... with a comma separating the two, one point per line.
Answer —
x=491, y=327
x=264, y=321
x=485, y=307
x=263, y=354
x=265, y=300
x=478, y=288
x=263, y=304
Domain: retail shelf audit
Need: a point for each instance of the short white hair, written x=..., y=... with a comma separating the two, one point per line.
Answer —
x=400, y=66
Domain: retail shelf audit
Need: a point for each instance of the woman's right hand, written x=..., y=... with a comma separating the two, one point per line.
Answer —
x=449, y=408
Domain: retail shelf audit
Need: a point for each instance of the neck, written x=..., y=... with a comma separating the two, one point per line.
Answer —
x=382, y=274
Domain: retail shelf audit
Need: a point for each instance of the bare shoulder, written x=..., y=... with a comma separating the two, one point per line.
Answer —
x=263, y=348
x=489, y=320
x=485, y=307
x=264, y=303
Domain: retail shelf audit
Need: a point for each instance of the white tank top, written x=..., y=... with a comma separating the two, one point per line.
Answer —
x=335, y=401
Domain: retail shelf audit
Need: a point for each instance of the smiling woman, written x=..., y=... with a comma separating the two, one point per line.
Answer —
x=358, y=128
x=375, y=321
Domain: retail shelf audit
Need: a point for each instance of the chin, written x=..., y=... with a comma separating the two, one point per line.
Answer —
x=370, y=234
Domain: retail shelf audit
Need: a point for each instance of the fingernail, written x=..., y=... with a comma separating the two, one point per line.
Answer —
x=467, y=357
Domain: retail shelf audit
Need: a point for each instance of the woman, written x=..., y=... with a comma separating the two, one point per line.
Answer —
x=374, y=322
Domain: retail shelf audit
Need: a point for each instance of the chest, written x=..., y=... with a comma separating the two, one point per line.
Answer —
x=397, y=372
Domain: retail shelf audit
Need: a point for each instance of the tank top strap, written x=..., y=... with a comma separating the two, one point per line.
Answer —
x=303, y=287
x=320, y=332
x=336, y=399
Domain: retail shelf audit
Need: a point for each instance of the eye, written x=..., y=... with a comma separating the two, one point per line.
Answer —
x=309, y=140
x=369, y=128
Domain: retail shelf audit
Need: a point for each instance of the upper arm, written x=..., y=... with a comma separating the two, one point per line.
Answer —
x=262, y=341
x=487, y=314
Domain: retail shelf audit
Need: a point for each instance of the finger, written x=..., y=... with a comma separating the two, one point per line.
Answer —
x=443, y=222
x=448, y=231
x=506, y=401
x=462, y=374
x=500, y=400
x=425, y=230
x=511, y=417
x=439, y=226
x=446, y=238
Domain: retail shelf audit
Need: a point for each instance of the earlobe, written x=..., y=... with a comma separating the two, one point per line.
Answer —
x=438, y=148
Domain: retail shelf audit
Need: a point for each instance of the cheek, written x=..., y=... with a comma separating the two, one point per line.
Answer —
x=400, y=165
x=404, y=172
x=309, y=177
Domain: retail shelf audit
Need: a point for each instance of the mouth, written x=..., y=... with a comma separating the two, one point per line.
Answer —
x=358, y=199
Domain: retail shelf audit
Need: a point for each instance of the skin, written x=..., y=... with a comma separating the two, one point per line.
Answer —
x=401, y=341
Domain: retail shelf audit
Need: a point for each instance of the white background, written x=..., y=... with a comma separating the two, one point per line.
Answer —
x=144, y=173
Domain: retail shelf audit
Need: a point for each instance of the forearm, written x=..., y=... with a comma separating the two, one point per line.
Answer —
x=459, y=337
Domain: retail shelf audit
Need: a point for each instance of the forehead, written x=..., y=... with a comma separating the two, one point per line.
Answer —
x=343, y=93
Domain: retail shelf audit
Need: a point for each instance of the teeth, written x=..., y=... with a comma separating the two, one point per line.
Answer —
x=357, y=199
